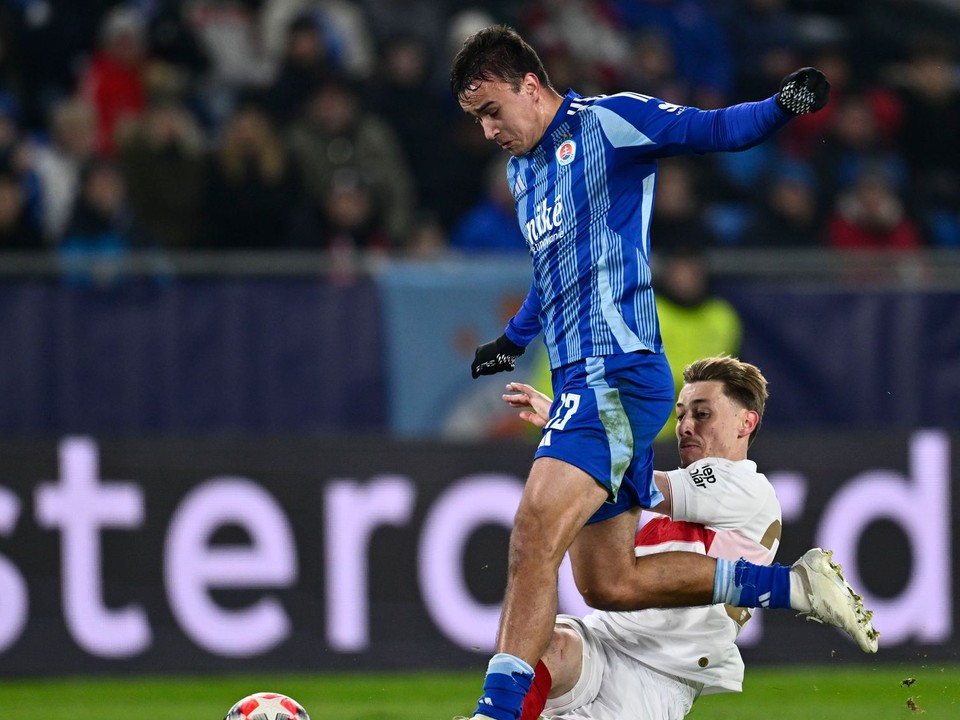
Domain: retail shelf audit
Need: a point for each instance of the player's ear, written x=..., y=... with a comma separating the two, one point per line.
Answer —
x=748, y=422
x=530, y=84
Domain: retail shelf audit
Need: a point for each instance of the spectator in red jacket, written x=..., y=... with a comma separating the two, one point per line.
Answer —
x=870, y=214
x=114, y=81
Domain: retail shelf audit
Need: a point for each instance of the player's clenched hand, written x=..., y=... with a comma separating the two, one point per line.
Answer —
x=533, y=405
x=496, y=356
x=803, y=91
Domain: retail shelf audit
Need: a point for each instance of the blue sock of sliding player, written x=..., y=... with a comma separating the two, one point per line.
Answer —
x=746, y=584
x=508, y=679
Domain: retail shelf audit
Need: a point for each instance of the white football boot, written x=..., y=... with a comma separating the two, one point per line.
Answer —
x=832, y=600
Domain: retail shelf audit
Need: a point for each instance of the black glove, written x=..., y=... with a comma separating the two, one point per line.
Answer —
x=496, y=356
x=803, y=91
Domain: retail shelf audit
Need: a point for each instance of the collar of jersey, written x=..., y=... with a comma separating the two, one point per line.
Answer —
x=561, y=116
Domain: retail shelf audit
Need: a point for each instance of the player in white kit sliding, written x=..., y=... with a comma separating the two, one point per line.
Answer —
x=653, y=664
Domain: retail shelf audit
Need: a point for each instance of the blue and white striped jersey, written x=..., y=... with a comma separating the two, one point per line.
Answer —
x=584, y=199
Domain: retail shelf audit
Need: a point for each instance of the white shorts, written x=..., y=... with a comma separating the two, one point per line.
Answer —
x=615, y=686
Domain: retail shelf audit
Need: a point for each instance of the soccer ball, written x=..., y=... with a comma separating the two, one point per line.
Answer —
x=267, y=706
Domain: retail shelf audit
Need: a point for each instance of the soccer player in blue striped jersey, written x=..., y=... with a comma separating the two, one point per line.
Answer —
x=583, y=175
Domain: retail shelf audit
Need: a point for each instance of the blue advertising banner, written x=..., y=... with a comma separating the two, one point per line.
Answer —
x=215, y=355
x=853, y=359
x=392, y=354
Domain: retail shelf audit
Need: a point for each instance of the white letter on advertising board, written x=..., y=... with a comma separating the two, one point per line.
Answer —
x=80, y=505
x=920, y=505
x=352, y=512
x=192, y=567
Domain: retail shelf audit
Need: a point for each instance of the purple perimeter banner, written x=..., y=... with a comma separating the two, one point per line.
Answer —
x=166, y=555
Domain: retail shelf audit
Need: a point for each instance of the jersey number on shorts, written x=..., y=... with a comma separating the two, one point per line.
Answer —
x=568, y=405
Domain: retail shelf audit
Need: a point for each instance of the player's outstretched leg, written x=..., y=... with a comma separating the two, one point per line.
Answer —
x=821, y=593
x=814, y=586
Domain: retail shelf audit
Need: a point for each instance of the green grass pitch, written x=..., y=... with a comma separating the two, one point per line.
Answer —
x=926, y=691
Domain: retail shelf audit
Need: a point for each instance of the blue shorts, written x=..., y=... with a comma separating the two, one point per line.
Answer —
x=605, y=415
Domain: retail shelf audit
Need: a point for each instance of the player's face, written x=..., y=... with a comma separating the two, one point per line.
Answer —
x=709, y=424
x=511, y=118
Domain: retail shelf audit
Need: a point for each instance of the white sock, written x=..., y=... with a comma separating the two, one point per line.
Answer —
x=799, y=600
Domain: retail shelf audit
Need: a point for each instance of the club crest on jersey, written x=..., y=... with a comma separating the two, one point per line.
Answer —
x=566, y=152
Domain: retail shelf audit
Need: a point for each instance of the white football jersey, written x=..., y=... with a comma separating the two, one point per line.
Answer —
x=721, y=508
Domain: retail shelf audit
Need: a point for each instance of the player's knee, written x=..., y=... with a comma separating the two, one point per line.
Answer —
x=609, y=594
x=554, y=653
x=600, y=599
x=531, y=539
x=564, y=659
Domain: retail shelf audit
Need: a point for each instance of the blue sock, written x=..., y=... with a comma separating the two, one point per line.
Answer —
x=508, y=679
x=745, y=584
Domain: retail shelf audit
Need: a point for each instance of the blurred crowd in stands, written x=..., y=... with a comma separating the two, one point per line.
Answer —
x=257, y=124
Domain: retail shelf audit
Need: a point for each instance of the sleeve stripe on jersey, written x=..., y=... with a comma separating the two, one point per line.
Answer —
x=620, y=132
x=580, y=103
